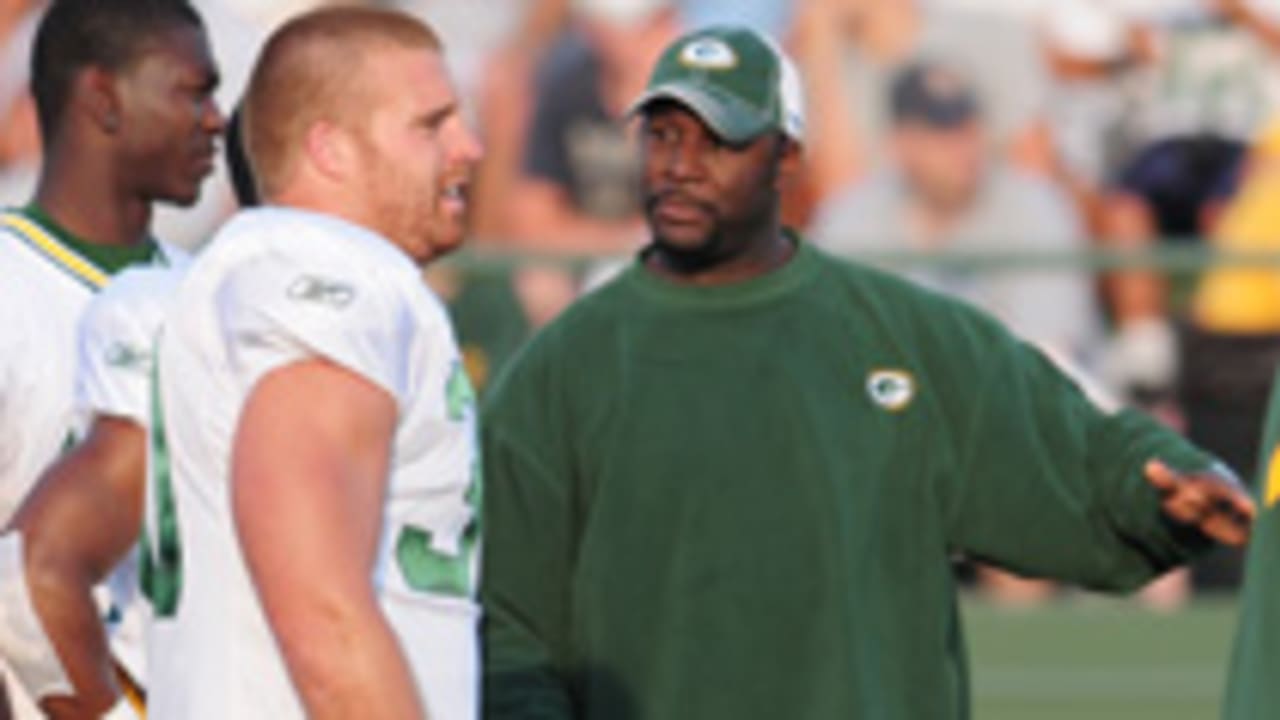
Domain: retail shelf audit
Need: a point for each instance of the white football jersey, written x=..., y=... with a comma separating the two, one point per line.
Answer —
x=113, y=378
x=277, y=286
x=47, y=286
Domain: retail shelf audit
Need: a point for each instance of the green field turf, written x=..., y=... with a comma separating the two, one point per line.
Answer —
x=1099, y=659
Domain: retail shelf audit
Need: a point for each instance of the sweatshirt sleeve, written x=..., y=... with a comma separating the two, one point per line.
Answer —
x=528, y=553
x=1048, y=485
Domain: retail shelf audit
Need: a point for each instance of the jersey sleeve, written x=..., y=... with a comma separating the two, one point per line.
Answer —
x=1048, y=485
x=116, y=345
x=275, y=311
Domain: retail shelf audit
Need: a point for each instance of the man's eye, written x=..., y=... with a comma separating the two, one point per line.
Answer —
x=661, y=134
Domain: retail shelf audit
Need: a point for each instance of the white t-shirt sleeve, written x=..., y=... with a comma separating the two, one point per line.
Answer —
x=275, y=311
x=116, y=346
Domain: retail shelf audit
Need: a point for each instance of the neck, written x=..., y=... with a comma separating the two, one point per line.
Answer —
x=934, y=220
x=763, y=252
x=80, y=192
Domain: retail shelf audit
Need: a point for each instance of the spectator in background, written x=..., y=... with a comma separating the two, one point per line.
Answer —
x=942, y=188
x=850, y=49
x=1212, y=82
x=580, y=185
x=1094, y=56
x=1099, y=60
x=19, y=138
x=1229, y=346
x=1233, y=331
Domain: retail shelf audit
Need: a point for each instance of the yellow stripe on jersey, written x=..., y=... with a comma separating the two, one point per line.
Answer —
x=132, y=691
x=60, y=255
x=1273, y=478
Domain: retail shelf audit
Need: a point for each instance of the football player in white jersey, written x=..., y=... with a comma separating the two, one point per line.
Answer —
x=314, y=414
x=96, y=489
x=99, y=486
x=122, y=90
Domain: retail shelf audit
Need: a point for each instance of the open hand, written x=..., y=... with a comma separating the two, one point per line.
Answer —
x=1213, y=502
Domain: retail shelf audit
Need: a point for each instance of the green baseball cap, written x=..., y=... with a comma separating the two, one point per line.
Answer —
x=735, y=79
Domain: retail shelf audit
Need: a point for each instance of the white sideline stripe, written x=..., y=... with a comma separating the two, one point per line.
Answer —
x=1178, y=682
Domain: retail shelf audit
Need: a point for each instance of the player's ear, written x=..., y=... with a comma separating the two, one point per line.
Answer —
x=99, y=98
x=331, y=151
x=790, y=158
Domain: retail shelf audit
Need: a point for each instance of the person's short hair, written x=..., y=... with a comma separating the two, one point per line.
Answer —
x=109, y=34
x=308, y=71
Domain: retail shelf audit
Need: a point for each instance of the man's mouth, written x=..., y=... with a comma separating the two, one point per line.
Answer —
x=454, y=195
x=680, y=209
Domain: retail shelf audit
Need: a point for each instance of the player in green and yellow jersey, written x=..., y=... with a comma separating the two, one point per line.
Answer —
x=123, y=94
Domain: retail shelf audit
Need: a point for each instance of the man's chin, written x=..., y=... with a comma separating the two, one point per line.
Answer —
x=682, y=241
x=181, y=197
x=443, y=243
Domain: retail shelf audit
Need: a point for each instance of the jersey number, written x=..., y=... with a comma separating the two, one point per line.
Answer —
x=425, y=568
x=161, y=569
x=428, y=570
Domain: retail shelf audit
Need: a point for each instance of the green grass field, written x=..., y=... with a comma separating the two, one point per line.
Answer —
x=1099, y=659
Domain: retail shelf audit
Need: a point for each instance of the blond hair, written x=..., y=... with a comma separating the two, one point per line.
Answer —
x=309, y=72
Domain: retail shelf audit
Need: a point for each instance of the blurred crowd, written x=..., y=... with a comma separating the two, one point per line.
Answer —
x=933, y=126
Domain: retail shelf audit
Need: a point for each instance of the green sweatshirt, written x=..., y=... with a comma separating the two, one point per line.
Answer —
x=743, y=501
x=1253, y=690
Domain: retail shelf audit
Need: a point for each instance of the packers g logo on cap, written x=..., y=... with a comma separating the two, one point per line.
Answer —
x=708, y=54
x=892, y=390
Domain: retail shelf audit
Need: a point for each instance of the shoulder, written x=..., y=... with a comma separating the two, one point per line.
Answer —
x=309, y=256
x=864, y=215
x=1035, y=202
x=140, y=292
x=909, y=314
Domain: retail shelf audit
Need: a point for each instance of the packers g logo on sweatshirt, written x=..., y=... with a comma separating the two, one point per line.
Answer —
x=891, y=389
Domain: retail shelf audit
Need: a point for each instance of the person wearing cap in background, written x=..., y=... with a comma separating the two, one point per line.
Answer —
x=728, y=484
x=943, y=188
x=850, y=50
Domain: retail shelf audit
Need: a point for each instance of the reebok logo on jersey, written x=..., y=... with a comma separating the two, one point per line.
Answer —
x=892, y=390
x=334, y=293
x=125, y=356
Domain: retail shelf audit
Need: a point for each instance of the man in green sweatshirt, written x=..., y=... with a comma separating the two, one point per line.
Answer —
x=730, y=483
